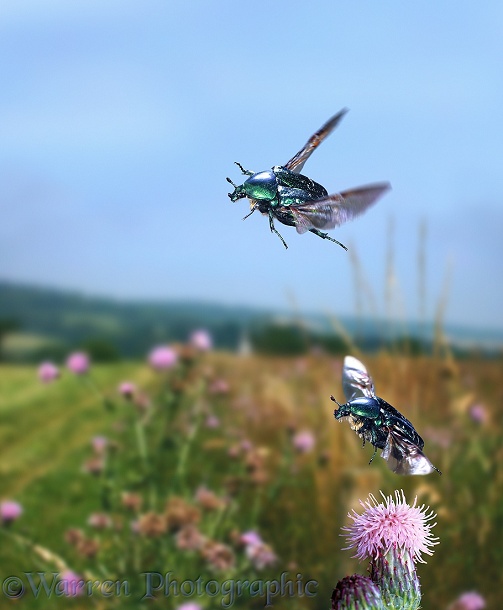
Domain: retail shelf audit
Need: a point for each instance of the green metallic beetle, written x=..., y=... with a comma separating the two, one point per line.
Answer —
x=295, y=200
x=377, y=422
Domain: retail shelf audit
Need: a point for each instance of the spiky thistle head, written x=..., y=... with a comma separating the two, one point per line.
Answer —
x=391, y=524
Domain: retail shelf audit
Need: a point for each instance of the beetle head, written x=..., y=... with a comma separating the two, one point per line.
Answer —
x=262, y=186
x=342, y=411
x=238, y=192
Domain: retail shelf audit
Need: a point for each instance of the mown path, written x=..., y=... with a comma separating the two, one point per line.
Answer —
x=42, y=426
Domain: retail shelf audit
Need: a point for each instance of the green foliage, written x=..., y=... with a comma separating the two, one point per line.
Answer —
x=284, y=340
x=100, y=350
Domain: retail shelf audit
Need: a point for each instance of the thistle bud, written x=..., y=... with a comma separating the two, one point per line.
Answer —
x=357, y=593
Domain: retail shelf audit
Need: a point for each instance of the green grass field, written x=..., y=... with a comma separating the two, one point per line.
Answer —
x=238, y=442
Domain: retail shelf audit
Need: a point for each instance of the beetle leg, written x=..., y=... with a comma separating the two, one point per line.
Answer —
x=273, y=230
x=250, y=213
x=246, y=172
x=326, y=236
x=373, y=455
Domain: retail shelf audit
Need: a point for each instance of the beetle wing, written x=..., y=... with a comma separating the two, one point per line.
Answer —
x=334, y=210
x=317, y=214
x=296, y=163
x=404, y=457
x=356, y=382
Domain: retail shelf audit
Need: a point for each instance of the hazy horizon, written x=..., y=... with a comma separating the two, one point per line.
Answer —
x=475, y=332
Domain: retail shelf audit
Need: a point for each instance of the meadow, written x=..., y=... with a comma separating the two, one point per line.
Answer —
x=231, y=467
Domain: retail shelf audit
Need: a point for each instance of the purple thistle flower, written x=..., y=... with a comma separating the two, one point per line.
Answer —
x=392, y=524
x=162, y=358
x=261, y=555
x=246, y=445
x=71, y=584
x=201, y=340
x=127, y=389
x=99, y=521
x=250, y=538
x=99, y=444
x=258, y=552
x=10, y=511
x=393, y=535
x=212, y=421
x=48, y=372
x=478, y=413
x=190, y=606
x=219, y=386
x=304, y=441
x=78, y=363
x=471, y=600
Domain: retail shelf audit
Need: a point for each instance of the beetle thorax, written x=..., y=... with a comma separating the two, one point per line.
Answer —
x=262, y=186
x=365, y=407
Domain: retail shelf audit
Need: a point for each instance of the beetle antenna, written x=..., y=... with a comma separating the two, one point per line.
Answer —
x=333, y=398
x=230, y=182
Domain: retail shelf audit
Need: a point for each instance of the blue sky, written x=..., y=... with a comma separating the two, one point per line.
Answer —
x=120, y=120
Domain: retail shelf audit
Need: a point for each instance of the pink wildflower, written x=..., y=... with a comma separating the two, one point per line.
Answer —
x=99, y=521
x=251, y=538
x=219, y=556
x=127, y=389
x=393, y=524
x=212, y=421
x=201, y=340
x=48, y=372
x=478, y=413
x=162, y=358
x=469, y=601
x=219, y=386
x=189, y=538
x=261, y=555
x=78, y=363
x=246, y=445
x=99, y=444
x=10, y=511
x=190, y=606
x=258, y=552
x=304, y=441
x=71, y=584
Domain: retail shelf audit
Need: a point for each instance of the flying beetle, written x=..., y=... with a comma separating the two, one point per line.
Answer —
x=295, y=200
x=377, y=422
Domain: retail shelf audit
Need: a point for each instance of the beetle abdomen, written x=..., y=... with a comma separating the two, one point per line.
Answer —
x=292, y=180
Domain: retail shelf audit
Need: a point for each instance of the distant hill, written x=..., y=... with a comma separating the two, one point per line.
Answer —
x=41, y=322
x=69, y=319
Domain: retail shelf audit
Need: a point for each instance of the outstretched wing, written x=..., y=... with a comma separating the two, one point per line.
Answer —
x=356, y=382
x=334, y=210
x=404, y=457
x=296, y=163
